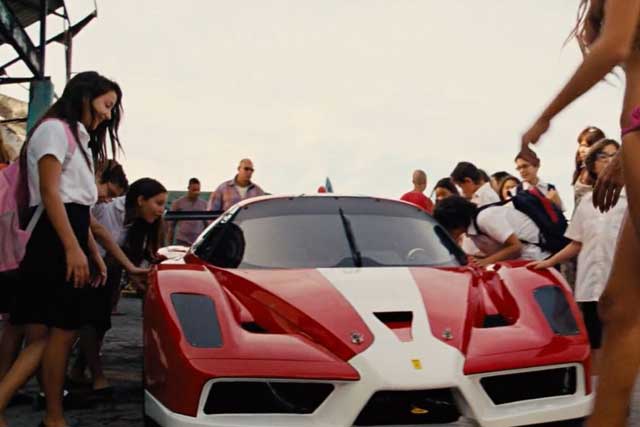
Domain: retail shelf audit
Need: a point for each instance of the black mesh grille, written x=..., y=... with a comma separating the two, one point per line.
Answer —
x=252, y=397
x=409, y=407
x=530, y=385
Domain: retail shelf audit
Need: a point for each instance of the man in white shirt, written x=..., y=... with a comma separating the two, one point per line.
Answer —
x=499, y=232
x=469, y=178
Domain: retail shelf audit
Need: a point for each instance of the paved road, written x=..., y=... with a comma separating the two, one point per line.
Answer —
x=122, y=355
x=123, y=365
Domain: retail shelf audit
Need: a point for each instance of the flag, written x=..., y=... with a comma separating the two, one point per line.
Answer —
x=328, y=185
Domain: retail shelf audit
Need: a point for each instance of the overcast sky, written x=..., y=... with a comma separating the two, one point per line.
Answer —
x=362, y=91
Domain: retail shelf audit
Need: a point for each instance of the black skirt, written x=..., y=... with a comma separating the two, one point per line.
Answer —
x=44, y=296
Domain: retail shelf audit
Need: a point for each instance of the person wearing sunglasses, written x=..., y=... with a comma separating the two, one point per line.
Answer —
x=233, y=191
x=593, y=236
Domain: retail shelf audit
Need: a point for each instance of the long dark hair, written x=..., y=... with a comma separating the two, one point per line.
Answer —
x=503, y=182
x=592, y=156
x=590, y=135
x=82, y=88
x=588, y=23
x=142, y=239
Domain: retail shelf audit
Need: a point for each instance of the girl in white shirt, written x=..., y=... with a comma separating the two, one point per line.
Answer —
x=56, y=294
x=593, y=237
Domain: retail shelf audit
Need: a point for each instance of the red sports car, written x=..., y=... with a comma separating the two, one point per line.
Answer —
x=337, y=311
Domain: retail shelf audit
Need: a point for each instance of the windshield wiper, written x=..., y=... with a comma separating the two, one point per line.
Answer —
x=355, y=253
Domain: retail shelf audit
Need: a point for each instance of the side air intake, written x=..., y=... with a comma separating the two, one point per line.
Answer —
x=255, y=397
x=530, y=385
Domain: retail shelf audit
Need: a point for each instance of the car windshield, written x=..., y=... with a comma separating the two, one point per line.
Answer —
x=327, y=232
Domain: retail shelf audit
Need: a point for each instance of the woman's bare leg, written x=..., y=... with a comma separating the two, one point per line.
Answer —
x=621, y=354
x=90, y=344
x=54, y=367
x=10, y=345
x=24, y=367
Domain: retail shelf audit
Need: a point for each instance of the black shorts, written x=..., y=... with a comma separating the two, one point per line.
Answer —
x=44, y=296
x=592, y=322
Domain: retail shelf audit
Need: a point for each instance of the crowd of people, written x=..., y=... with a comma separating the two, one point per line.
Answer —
x=88, y=225
x=497, y=218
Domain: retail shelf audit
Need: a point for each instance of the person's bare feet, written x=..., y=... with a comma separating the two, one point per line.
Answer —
x=100, y=383
x=54, y=423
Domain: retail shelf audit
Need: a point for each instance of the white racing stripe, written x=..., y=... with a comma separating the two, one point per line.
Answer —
x=424, y=362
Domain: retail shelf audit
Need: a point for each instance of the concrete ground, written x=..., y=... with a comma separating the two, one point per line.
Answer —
x=122, y=356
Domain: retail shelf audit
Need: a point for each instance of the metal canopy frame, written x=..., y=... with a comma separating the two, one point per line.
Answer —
x=12, y=31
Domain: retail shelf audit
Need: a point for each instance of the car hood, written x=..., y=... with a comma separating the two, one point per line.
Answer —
x=345, y=310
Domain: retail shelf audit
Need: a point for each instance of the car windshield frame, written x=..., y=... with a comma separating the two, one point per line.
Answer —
x=340, y=224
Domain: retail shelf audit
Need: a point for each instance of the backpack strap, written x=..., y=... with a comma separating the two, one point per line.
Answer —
x=71, y=149
x=491, y=205
x=546, y=203
x=474, y=219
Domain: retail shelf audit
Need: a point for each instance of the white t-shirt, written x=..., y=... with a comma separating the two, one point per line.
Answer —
x=497, y=223
x=111, y=216
x=242, y=190
x=598, y=233
x=77, y=182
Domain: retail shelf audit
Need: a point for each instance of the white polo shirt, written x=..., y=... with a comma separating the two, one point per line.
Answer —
x=485, y=195
x=497, y=223
x=77, y=182
x=598, y=233
x=111, y=216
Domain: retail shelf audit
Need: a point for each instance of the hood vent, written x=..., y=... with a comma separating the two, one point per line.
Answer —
x=399, y=322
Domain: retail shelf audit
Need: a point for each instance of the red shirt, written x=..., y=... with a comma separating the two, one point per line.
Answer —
x=418, y=199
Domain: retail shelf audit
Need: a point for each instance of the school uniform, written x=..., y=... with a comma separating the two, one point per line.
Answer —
x=497, y=223
x=544, y=188
x=44, y=295
x=485, y=195
x=111, y=216
x=598, y=233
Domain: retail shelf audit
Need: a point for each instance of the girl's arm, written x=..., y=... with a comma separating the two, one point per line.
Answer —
x=570, y=251
x=107, y=242
x=101, y=277
x=50, y=170
x=612, y=47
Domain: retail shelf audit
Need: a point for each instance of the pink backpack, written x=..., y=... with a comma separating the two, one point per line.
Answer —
x=13, y=240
